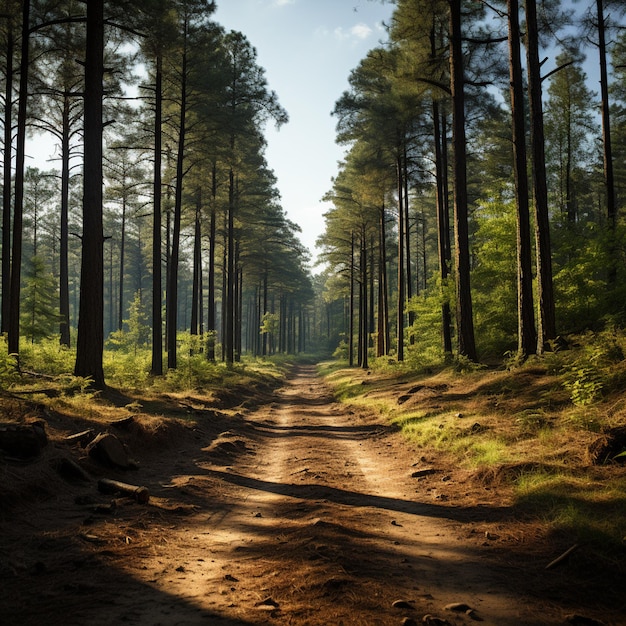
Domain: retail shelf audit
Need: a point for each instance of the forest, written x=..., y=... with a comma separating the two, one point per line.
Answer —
x=475, y=216
x=202, y=421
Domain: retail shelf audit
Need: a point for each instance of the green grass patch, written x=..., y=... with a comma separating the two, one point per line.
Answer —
x=592, y=511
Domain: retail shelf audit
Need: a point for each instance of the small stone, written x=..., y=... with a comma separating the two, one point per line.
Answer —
x=402, y=604
x=433, y=620
x=268, y=602
x=423, y=472
x=459, y=607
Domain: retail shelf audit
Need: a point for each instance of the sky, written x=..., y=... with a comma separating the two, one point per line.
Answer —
x=308, y=48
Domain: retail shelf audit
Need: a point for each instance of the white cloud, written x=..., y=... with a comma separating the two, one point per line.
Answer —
x=282, y=3
x=359, y=32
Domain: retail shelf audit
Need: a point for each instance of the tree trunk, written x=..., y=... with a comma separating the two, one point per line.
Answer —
x=196, y=296
x=64, y=289
x=609, y=178
x=89, y=346
x=172, y=288
x=120, y=286
x=545, y=292
x=18, y=207
x=6, y=189
x=210, y=353
x=229, y=329
x=363, y=305
x=157, y=288
x=443, y=223
x=465, y=320
x=401, y=274
x=527, y=339
x=351, y=314
x=383, y=303
x=407, y=235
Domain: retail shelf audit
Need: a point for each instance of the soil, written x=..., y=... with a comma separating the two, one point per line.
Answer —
x=296, y=511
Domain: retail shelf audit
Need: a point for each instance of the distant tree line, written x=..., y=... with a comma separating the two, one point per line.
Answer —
x=160, y=200
x=478, y=210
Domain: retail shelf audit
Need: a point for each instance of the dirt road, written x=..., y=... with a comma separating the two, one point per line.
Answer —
x=303, y=512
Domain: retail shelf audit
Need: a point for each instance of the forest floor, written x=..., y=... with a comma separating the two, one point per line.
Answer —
x=288, y=509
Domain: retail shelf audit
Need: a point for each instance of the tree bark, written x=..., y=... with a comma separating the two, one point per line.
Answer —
x=157, y=315
x=210, y=353
x=196, y=296
x=527, y=339
x=172, y=289
x=465, y=321
x=18, y=207
x=229, y=328
x=351, y=314
x=120, y=286
x=401, y=273
x=383, y=303
x=64, y=289
x=546, y=319
x=89, y=346
x=609, y=178
x=443, y=223
x=6, y=189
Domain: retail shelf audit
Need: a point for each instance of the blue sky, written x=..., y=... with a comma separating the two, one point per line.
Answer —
x=308, y=48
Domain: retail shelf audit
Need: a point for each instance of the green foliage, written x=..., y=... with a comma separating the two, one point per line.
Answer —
x=425, y=346
x=270, y=323
x=48, y=357
x=136, y=331
x=38, y=312
x=341, y=351
x=591, y=372
x=8, y=366
x=128, y=369
x=494, y=277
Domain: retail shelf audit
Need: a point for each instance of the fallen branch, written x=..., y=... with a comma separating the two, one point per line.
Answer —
x=141, y=494
x=561, y=559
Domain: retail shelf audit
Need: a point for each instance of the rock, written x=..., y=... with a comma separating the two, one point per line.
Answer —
x=476, y=429
x=402, y=604
x=458, y=607
x=423, y=472
x=82, y=438
x=108, y=449
x=268, y=602
x=471, y=613
x=433, y=620
x=23, y=441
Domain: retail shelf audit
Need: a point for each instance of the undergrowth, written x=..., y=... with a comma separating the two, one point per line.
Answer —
x=540, y=414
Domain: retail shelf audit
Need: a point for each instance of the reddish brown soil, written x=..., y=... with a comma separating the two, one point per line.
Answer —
x=300, y=511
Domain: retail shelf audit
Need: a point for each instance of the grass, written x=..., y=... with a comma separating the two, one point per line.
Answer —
x=531, y=424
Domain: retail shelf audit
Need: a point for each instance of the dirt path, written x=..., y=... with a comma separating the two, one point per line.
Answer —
x=304, y=512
